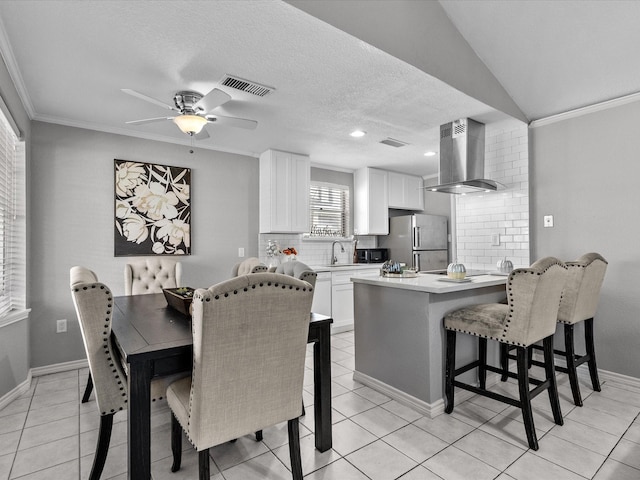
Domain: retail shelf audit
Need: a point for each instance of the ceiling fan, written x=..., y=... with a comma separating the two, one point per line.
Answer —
x=194, y=111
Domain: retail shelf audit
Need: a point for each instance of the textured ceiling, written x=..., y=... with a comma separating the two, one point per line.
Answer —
x=327, y=83
x=554, y=56
x=550, y=56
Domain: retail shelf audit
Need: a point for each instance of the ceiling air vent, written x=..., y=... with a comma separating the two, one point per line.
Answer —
x=392, y=142
x=246, y=86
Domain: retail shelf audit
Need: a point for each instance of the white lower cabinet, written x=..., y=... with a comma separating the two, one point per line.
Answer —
x=342, y=297
x=322, y=295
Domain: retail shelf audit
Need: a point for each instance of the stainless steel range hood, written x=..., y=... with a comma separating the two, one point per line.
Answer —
x=462, y=159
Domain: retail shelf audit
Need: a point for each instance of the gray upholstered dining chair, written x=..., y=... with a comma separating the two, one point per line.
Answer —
x=151, y=275
x=94, y=306
x=249, y=334
x=579, y=304
x=249, y=265
x=530, y=315
x=297, y=269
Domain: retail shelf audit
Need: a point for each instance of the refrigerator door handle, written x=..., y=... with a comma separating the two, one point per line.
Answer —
x=416, y=261
x=416, y=237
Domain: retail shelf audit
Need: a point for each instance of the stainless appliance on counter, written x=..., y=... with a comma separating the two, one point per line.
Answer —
x=418, y=240
x=372, y=255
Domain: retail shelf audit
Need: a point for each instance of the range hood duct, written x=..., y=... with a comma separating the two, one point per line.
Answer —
x=462, y=158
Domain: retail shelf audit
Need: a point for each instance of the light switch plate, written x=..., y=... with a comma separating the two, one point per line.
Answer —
x=495, y=239
x=240, y=252
x=548, y=221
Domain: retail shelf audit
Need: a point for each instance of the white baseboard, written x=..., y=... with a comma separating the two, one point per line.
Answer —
x=18, y=391
x=59, y=367
x=341, y=327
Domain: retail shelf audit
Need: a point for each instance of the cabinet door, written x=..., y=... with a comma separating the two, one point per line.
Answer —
x=378, y=203
x=414, y=192
x=281, y=177
x=342, y=304
x=299, y=199
x=396, y=190
x=322, y=294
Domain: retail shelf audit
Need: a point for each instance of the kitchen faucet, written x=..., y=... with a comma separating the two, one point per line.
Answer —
x=334, y=259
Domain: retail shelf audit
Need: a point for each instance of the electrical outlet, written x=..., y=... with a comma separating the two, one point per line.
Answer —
x=61, y=326
x=495, y=239
x=241, y=252
x=548, y=221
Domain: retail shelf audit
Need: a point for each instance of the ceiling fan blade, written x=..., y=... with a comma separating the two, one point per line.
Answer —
x=146, y=98
x=233, y=122
x=148, y=120
x=203, y=135
x=213, y=99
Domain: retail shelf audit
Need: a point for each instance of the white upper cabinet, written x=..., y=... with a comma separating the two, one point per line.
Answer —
x=405, y=191
x=284, y=192
x=371, y=203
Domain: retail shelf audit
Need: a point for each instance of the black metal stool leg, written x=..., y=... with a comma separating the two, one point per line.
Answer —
x=504, y=361
x=550, y=373
x=450, y=368
x=570, y=356
x=525, y=397
x=482, y=366
x=591, y=351
x=203, y=465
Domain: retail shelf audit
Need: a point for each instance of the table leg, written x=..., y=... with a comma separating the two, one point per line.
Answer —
x=139, y=424
x=322, y=388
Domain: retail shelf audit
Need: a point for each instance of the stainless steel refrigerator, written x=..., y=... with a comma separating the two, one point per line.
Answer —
x=418, y=240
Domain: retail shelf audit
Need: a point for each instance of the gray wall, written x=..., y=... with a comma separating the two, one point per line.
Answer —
x=14, y=341
x=73, y=224
x=584, y=171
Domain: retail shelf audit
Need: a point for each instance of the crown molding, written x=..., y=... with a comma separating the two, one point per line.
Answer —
x=14, y=72
x=578, y=112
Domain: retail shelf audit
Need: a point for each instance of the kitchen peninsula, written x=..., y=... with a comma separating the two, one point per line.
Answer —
x=399, y=337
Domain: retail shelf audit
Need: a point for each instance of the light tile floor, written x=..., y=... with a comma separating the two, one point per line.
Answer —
x=48, y=434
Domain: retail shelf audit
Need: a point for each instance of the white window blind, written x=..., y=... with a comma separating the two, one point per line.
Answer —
x=12, y=221
x=329, y=210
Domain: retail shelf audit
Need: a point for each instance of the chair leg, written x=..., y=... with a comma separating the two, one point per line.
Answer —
x=203, y=464
x=259, y=436
x=294, y=449
x=482, y=367
x=591, y=351
x=525, y=397
x=104, y=437
x=87, y=389
x=550, y=373
x=176, y=443
x=530, y=355
x=570, y=357
x=504, y=361
x=450, y=367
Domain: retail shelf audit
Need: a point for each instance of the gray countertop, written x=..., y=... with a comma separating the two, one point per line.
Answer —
x=432, y=283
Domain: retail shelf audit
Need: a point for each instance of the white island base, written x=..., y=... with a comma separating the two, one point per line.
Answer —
x=399, y=336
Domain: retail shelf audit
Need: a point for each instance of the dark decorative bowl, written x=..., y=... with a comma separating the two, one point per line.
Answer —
x=179, y=298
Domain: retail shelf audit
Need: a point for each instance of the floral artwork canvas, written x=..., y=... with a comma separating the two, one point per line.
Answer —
x=152, y=209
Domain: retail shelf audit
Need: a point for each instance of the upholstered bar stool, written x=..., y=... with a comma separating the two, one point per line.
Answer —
x=579, y=304
x=533, y=300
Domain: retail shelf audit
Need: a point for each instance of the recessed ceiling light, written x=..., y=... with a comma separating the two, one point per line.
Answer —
x=358, y=133
x=434, y=189
x=429, y=154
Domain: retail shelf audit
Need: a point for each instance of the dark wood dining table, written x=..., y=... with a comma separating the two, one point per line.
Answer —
x=155, y=340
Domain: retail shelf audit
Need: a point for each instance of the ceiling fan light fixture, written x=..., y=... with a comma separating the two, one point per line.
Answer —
x=190, y=124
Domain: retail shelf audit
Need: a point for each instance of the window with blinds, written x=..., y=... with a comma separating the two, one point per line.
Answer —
x=12, y=220
x=329, y=210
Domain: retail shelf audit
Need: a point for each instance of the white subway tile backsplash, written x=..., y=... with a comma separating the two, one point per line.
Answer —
x=506, y=212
